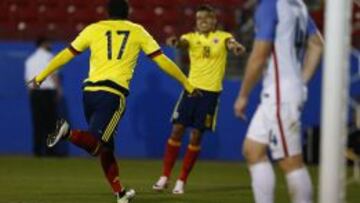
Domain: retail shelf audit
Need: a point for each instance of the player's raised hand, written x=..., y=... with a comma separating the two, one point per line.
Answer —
x=191, y=90
x=235, y=47
x=32, y=84
x=172, y=41
x=238, y=49
x=240, y=107
x=196, y=93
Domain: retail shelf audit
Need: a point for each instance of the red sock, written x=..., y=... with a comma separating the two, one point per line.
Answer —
x=111, y=170
x=189, y=161
x=86, y=141
x=170, y=156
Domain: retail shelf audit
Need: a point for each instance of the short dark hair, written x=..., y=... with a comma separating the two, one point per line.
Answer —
x=118, y=9
x=41, y=41
x=206, y=7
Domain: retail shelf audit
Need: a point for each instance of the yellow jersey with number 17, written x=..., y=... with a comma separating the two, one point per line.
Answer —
x=115, y=46
x=208, y=55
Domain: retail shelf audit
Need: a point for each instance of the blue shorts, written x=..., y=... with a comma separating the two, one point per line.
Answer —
x=103, y=111
x=197, y=112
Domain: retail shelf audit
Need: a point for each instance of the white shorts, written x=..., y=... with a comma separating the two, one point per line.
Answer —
x=279, y=128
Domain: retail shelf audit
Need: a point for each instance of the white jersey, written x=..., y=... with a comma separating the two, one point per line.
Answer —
x=277, y=121
x=287, y=24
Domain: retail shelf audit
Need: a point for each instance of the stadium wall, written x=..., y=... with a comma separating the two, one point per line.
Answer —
x=144, y=129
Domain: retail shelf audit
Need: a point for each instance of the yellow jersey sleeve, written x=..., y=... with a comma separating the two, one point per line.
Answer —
x=227, y=35
x=56, y=63
x=147, y=42
x=83, y=40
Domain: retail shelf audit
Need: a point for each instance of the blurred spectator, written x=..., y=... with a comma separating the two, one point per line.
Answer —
x=353, y=142
x=44, y=100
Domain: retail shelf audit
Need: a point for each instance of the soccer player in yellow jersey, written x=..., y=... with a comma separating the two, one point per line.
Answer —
x=115, y=45
x=208, y=48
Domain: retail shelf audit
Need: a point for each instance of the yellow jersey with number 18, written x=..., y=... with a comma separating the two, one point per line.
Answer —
x=115, y=46
x=208, y=55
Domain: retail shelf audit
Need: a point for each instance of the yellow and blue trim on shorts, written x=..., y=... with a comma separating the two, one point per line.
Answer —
x=109, y=130
x=114, y=88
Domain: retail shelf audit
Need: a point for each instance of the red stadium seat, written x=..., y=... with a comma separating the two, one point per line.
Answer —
x=138, y=3
x=85, y=14
x=54, y=16
x=227, y=18
x=164, y=3
x=28, y=13
x=193, y=3
x=162, y=17
x=16, y=30
x=99, y=2
x=4, y=14
x=143, y=16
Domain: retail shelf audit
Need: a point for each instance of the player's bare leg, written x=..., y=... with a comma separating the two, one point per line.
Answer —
x=177, y=132
x=298, y=179
x=190, y=158
x=171, y=153
x=94, y=147
x=262, y=174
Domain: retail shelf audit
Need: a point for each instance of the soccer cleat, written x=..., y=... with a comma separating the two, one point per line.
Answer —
x=61, y=131
x=125, y=196
x=179, y=187
x=161, y=184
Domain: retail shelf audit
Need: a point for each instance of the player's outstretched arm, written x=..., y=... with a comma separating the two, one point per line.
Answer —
x=169, y=67
x=56, y=63
x=313, y=54
x=254, y=68
x=177, y=43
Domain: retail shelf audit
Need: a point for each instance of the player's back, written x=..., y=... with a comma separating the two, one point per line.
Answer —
x=283, y=78
x=115, y=46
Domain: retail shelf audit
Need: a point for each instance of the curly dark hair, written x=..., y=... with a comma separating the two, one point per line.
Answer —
x=118, y=9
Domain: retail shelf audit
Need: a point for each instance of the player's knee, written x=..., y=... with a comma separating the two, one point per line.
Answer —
x=177, y=132
x=101, y=148
x=95, y=153
x=249, y=155
x=196, y=137
x=253, y=153
x=292, y=163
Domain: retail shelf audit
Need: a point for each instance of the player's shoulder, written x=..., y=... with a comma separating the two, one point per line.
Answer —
x=267, y=5
x=266, y=9
x=115, y=23
x=268, y=2
x=189, y=34
x=133, y=24
x=90, y=27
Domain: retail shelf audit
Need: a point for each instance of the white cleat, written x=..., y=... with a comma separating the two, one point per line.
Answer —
x=161, y=184
x=179, y=187
x=62, y=130
x=126, y=197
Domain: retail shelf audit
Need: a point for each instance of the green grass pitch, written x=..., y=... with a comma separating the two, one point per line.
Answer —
x=80, y=180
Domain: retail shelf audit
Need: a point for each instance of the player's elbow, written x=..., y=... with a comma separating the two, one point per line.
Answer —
x=316, y=42
x=158, y=59
x=261, y=52
x=258, y=60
